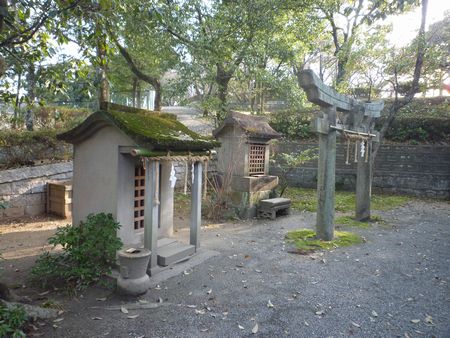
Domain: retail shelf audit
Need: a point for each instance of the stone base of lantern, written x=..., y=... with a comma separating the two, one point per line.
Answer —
x=247, y=191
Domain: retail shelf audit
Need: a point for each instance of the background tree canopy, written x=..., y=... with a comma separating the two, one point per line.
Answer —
x=218, y=55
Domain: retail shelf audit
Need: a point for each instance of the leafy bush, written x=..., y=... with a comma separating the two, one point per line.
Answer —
x=423, y=120
x=293, y=124
x=11, y=321
x=23, y=147
x=89, y=252
x=59, y=117
x=418, y=130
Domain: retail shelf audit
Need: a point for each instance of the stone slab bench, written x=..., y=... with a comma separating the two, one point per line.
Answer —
x=269, y=208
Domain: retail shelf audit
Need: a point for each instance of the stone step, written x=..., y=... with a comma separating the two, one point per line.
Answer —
x=272, y=202
x=174, y=252
x=165, y=241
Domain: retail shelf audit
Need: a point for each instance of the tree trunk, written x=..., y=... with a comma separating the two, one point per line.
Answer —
x=341, y=72
x=138, y=96
x=17, y=104
x=135, y=81
x=103, y=86
x=29, y=118
x=222, y=79
x=4, y=8
x=158, y=96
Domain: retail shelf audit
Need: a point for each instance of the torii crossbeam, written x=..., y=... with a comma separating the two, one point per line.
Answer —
x=358, y=118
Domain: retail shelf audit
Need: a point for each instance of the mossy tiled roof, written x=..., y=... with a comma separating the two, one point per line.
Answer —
x=254, y=126
x=148, y=129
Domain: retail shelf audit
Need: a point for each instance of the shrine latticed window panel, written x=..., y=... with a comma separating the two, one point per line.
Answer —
x=139, y=195
x=257, y=159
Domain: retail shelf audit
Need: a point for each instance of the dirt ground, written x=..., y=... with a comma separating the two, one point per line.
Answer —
x=396, y=284
x=22, y=240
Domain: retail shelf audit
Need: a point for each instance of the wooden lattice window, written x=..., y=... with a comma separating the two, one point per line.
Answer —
x=256, y=159
x=139, y=192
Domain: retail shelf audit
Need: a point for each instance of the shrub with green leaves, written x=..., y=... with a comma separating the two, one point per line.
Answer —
x=12, y=321
x=88, y=252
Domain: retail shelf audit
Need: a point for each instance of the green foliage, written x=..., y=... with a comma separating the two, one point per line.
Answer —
x=24, y=147
x=59, y=117
x=305, y=240
x=12, y=321
x=423, y=120
x=293, y=124
x=88, y=252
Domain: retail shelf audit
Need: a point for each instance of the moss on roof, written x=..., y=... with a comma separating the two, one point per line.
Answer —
x=148, y=129
x=254, y=126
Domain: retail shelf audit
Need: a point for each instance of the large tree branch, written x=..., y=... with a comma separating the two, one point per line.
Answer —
x=27, y=34
x=132, y=65
x=399, y=104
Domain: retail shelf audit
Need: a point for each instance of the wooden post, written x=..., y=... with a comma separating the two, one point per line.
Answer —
x=196, y=205
x=363, y=186
x=326, y=178
x=151, y=208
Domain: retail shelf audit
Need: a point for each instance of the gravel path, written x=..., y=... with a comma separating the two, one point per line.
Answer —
x=394, y=285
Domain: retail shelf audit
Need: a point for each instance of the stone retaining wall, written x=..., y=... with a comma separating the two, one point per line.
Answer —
x=420, y=170
x=23, y=190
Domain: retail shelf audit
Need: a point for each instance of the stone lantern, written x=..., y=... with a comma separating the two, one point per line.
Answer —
x=243, y=160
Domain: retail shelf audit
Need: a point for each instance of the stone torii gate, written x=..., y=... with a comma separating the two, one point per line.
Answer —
x=357, y=120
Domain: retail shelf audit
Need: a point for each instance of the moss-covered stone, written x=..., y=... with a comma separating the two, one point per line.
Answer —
x=306, y=241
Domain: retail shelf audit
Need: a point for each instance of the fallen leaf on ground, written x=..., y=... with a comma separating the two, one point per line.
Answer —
x=97, y=318
x=255, y=329
x=203, y=330
x=374, y=314
x=269, y=304
x=356, y=324
x=44, y=293
x=58, y=320
x=132, y=316
x=100, y=299
x=258, y=271
x=241, y=327
x=200, y=312
x=320, y=313
x=143, y=301
x=191, y=306
x=415, y=321
x=123, y=309
x=209, y=291
x=429, y=319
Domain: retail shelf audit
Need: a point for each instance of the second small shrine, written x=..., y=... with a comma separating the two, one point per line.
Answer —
x=243, y=159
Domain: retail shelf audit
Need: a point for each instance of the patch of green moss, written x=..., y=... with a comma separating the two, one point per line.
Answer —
x=305, y=240
x=306, y=200
x=350, y=221
x=159, y=129
x=388, y=202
